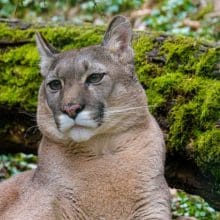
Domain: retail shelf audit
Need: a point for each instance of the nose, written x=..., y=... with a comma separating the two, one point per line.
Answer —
x=72, y=109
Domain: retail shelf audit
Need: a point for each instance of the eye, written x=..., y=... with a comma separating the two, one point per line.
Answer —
x=55, y=84
x=95, y=78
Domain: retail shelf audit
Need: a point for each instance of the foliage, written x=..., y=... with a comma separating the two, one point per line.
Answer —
x=170, y=16
x=14, y=164
x=110, y=7
x=49, y=10
x=26, y=9
x=171, y=10
x=194, y=206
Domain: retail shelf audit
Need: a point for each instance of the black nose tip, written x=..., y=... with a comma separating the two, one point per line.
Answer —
x=72, y=109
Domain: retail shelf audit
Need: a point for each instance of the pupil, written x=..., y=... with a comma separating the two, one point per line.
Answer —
x=95, y=78
x=55, y=85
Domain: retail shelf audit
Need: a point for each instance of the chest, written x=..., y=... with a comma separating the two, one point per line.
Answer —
x=103, y=191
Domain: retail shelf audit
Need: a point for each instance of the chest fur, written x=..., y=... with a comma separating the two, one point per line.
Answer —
x=101, y=191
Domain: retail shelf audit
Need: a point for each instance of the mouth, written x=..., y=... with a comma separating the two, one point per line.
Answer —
x=76, y=126
x=83, y=120
x=79, y=129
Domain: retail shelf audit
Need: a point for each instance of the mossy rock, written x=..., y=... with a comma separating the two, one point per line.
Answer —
x=180, y=75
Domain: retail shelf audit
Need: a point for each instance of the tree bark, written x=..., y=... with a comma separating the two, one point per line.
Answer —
x=165, y=65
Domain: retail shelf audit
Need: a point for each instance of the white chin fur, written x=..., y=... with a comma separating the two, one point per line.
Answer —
x=80, y=134
x=84, y=119
x=65, y=123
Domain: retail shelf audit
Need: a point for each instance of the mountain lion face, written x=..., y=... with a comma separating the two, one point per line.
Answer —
x=92, y=90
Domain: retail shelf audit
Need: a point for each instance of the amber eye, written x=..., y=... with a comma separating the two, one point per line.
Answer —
x=95, y=78
x=55, y=84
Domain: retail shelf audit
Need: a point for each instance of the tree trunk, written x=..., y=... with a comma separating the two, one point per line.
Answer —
x=181, y=77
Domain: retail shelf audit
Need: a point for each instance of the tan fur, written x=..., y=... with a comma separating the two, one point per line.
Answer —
x=117, y=174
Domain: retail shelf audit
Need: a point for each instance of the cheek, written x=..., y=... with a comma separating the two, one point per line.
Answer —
x=102, y=91
x=120, y=91
x=53, y=100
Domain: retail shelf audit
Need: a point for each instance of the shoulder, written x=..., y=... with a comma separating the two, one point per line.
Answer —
x=11, y=189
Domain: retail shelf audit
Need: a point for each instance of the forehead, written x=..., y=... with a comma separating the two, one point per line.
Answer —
x=79, y=62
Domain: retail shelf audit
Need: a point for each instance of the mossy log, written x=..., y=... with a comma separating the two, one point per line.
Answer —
x=181, y=78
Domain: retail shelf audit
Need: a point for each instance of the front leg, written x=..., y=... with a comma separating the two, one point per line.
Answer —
x=154, y=204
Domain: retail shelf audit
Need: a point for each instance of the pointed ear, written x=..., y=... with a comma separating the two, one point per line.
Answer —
x=47, y=52
x=118, y=38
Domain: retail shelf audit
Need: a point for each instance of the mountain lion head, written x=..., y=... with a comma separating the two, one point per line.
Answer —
x=90, y=91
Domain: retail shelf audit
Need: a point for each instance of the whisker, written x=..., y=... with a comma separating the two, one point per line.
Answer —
x=49, y=114
x=125, y=109
x=44, y=123
x=27, y=113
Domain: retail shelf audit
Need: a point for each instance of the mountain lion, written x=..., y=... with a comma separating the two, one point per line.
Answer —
x=102, y=153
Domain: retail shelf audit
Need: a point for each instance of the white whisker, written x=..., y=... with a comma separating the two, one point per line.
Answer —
x=124, y=109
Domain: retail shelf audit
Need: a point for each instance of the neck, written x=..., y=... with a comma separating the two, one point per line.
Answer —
x=99, y=145
x=53, y=155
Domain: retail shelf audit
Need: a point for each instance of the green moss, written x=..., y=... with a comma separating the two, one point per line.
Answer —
x=190, y=56
x=182, y=89
x=167, y=83
x=183, y=121
x=7, y=34
x=209, y=97
x=24, y=55
x=192, y=106
x=73, y=37
x=20, y=76
x=142, y=45
x=206, y=156
x=207, y=63
x=180, y=53
x=155, y=100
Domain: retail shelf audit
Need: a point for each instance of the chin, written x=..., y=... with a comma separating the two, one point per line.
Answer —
x=81, y=134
